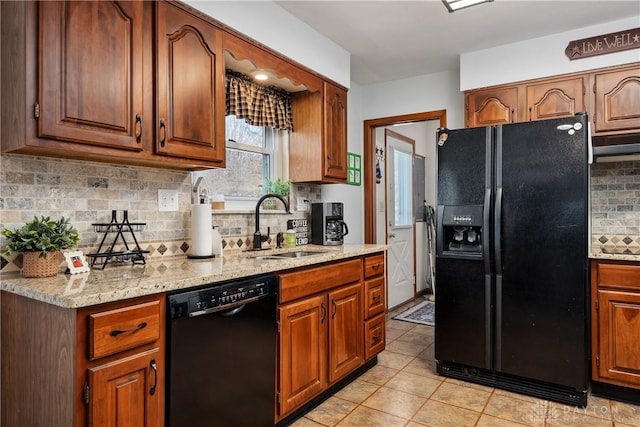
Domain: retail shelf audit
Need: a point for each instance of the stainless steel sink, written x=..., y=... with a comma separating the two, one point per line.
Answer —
x=297, y=254
x=286, y=255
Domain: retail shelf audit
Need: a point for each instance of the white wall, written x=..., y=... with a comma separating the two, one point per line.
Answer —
x=268, y=23
x=431, y=92
x=407, y=96
x=351, y=195
x=540, y=57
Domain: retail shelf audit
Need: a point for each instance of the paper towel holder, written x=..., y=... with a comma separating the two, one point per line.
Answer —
x=200, y=253
x=198, y=194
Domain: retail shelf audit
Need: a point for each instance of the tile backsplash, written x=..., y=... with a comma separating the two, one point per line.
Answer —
x=615, y=206
x=615, y=198
x=87, y=192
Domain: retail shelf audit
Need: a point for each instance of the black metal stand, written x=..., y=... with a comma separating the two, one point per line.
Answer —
x=135, y=255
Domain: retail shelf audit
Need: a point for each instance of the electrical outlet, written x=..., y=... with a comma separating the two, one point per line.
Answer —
x=167, y=200
x=301, y=205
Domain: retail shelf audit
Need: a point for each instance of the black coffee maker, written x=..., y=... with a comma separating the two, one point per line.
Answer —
x=327, y=224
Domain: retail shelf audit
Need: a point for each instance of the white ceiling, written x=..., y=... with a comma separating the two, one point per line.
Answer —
x=391, y=40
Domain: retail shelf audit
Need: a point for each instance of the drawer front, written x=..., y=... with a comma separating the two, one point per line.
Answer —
x=374, y=297
x=373, y=266
x=617, y=275
x=313, y=280
x=123, y=328
x=374, y=337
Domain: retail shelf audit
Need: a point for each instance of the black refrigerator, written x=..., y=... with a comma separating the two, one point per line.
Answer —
x=511, y=257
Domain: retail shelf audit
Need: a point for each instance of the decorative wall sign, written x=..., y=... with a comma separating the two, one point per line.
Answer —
x=354, y=169
x=301, y=226
x=601, y=45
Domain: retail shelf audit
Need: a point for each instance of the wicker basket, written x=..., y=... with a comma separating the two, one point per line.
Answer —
x=34, y=266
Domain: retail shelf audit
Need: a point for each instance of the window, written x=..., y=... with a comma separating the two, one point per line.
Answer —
x=255, y=155
x=403, y=187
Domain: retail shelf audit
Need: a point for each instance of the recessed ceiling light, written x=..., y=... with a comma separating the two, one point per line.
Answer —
x=259, y=75
x=453, y=5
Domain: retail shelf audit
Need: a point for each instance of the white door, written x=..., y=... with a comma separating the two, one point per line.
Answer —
x=400, y=218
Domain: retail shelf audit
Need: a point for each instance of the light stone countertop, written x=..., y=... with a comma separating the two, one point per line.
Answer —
x=120, y=282
x=596, y=253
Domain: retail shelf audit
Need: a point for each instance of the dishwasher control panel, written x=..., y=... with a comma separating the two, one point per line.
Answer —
x=219, y=297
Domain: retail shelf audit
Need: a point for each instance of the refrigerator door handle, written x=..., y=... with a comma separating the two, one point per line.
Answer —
x=497, y=232
x=497, y=340
x=486, y=239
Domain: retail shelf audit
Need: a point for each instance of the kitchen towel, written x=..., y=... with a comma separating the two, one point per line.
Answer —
x=201, y=238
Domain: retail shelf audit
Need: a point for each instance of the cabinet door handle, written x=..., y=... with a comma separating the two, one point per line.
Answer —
x=324, y=312
x=138, y=128
x=116, y=332
x=513, y=113
x=376, y=298
x=375, y=267
x=163, y=133
x=335, y=308
x=154, y=368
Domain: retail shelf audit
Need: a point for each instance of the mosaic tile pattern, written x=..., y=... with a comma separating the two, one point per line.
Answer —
x=616, y=243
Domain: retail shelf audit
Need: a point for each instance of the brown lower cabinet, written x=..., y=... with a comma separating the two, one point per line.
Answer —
x=615, y=323
x=375, y=305
x=323, y=333
x=104, y=365
x=95, y=366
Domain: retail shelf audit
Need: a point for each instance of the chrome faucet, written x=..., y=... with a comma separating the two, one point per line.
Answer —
x=258, y=238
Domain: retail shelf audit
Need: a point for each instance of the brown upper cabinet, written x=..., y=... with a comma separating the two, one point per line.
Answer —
x=492, y=106
x=143, y=83
x=617, y=96
x=318, y=143
x=560, y=98
x=190, y=87
x=82, y=84
x=610, y=96
x=531, y=101
x=91, y=83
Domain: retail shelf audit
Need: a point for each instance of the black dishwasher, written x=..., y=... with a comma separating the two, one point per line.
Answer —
x=221, y=342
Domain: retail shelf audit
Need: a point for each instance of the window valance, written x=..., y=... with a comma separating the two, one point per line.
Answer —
x=257, y=105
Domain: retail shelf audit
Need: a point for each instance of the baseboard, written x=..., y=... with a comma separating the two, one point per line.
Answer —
x=543, y=390
x=616, y=392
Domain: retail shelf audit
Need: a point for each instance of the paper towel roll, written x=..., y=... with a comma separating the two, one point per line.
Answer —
x=201, y=239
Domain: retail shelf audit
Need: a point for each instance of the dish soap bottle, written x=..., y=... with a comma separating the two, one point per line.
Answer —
x=216, y=244
x=291, y=237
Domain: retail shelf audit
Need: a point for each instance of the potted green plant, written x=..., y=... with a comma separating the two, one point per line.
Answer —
x=40, y=241
x=277, y=186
